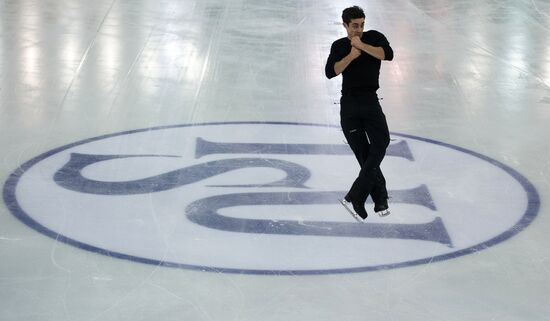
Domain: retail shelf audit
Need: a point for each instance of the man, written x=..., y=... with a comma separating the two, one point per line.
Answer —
x=358, y=58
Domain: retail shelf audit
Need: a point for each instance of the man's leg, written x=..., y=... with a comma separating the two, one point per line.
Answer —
x=370, y=175
x=354, y=131
x=359, y=144
x=379, y=193
x=380, y=196
x=356, y=137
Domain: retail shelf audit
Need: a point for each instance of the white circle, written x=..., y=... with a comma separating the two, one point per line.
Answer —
x=446, y=201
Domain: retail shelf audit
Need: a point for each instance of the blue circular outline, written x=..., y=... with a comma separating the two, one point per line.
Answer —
x=10, y=200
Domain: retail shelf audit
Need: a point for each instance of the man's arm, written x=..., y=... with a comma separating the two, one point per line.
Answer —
x=338, y=61
x=341, y=65
x=382, y=52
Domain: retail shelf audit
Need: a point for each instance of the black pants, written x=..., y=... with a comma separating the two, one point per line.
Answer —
x=365, y=128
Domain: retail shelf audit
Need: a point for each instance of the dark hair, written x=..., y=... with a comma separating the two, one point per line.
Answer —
x=351, y=13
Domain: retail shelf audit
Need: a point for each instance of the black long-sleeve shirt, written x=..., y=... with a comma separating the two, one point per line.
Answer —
x=361, y=75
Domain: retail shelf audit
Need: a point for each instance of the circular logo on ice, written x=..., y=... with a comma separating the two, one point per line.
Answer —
x=263, y=198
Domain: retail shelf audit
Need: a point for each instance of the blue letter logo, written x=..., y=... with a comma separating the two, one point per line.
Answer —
x=263, y=198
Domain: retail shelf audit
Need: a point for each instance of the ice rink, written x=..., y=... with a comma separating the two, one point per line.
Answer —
x=183, y=160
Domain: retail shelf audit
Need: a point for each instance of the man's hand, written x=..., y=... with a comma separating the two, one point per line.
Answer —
x=354, y=52
x=376, y=52
x=341, y=65
x=357, y=43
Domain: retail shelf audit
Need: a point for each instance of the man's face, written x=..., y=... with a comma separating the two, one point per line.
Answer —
x=355, y=27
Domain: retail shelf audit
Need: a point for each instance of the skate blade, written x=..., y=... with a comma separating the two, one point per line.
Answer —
x=351, y=211
x=383, y=213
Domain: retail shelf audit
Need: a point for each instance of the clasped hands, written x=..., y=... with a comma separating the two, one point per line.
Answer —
x=356, y=45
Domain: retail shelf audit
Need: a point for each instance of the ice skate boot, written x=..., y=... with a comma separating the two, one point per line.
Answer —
x=382, y=208
x=356, y=209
